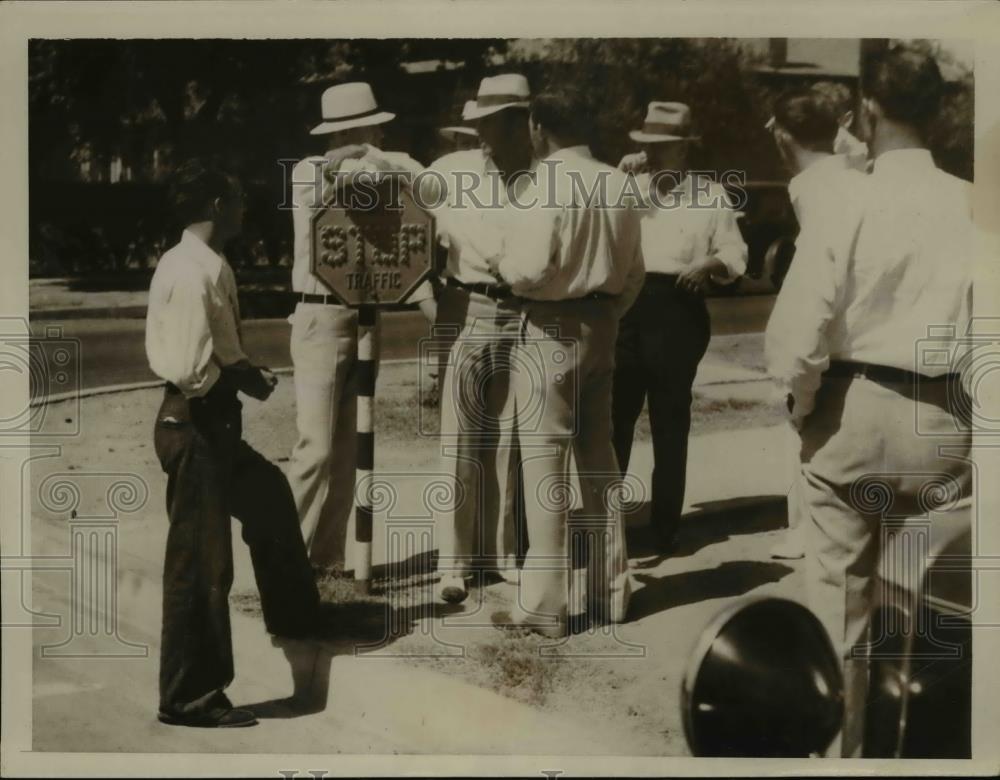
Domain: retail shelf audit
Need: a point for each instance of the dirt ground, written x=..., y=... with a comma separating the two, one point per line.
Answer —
x=628, y=679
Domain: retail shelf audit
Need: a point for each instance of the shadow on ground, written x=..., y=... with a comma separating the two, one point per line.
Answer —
x=728, y=579
x=350, y=623
x=710, y=522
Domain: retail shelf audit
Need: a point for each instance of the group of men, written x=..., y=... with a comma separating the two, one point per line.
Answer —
x=574, y=293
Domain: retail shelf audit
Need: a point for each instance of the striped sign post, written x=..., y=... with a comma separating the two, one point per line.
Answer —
x=367, y=349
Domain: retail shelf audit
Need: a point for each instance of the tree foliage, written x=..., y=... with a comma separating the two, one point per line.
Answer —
x=249, y=104
x=712, y=75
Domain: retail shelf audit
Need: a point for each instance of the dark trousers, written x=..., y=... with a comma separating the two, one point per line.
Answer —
x=213, y=475
x=661, y=340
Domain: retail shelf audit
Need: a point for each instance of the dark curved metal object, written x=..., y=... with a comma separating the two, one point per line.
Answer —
x=920, y=695
x=763, y=681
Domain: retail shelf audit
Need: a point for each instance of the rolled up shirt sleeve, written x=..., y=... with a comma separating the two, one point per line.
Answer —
x=530, y=246
x=796, y=348
x=179, y=343
x=727, y=244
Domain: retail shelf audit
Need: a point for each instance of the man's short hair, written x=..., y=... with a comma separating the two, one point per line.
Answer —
x=564, y=113
x=194, y=187
x=906, y=83
x=809, y=117
x=838, y=95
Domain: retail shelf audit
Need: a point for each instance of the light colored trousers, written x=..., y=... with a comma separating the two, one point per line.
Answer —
x=478, y=528
x=563, y=368
x=869, y=452
x=321, y=469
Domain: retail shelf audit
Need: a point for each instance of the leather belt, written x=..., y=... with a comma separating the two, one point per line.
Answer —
x=496, y=292
x=652, y=277
x=881, y=374
x=597, y=295
x=329, y=300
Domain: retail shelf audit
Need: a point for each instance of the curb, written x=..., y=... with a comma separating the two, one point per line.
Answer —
x=110, y=313
x=90, y=392
x=148, y=384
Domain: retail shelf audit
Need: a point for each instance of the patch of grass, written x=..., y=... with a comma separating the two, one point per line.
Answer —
x=246, y=602
x=721, y=405
x=397, y=416
x=513, y=667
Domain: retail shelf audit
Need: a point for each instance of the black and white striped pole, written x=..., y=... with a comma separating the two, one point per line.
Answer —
x=365, y=468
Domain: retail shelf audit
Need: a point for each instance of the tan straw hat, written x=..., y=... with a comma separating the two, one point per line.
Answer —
x=349, y=105
x=665, y=121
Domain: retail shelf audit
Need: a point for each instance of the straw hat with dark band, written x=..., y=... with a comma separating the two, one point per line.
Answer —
x=349, y=105
x=508, y=90
x=665, y=121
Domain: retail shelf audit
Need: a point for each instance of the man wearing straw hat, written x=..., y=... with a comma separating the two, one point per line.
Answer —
x=477, y=436
x=321, y=469
x=690, y=239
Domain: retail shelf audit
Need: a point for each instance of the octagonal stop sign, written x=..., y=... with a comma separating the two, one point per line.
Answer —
x=372, y=247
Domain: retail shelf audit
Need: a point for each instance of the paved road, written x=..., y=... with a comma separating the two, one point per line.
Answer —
x=111, y=351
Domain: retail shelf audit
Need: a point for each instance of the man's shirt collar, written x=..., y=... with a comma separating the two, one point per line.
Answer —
x=814, y=173
x=201, y=252
x=903, y=161
x=569, y=152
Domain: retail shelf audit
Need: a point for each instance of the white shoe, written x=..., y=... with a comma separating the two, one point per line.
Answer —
x=452, y=589
x=788, y=550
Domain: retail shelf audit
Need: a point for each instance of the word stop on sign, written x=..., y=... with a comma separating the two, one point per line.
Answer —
x=376, y=255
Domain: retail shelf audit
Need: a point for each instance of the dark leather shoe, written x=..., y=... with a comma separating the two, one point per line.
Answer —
x=216, y=718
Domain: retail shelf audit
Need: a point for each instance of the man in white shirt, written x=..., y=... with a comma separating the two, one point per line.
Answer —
x=876, y=410
x=689, y=239
x=193, y=342
x=824, y=191
x=572, y=253
x=324, y=340
x=478, y=530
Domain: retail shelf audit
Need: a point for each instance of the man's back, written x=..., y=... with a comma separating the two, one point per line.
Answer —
x=579, y=236
x=912, y=264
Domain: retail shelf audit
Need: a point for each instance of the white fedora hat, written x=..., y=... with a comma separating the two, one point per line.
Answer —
x=349, y=105
x=508, y=90
x=455, y=130
x=665, y=121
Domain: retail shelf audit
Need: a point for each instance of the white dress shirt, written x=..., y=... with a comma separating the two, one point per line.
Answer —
x=690, y=223
x=470, y=221
x=193, y=320
x=880, y=261
x=570, y=248
x=307, y=194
